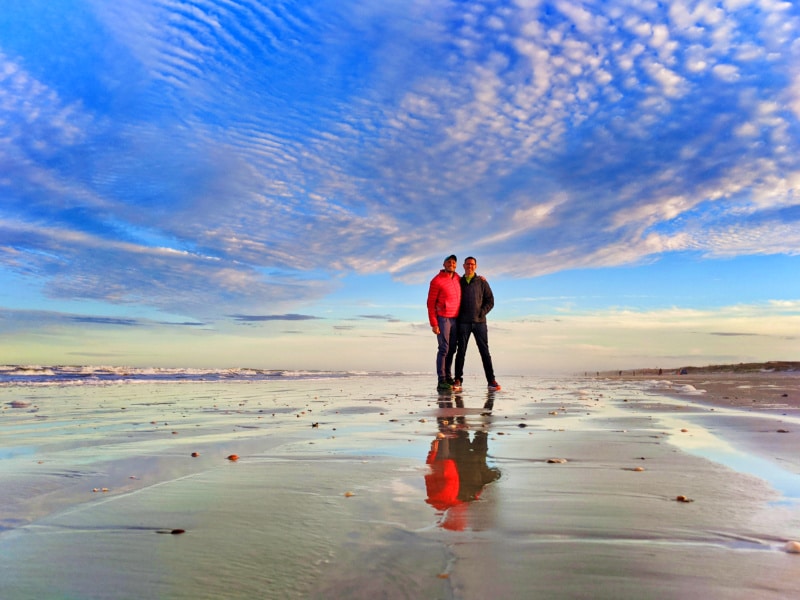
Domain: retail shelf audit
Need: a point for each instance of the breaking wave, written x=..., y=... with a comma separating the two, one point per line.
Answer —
x=98, y=375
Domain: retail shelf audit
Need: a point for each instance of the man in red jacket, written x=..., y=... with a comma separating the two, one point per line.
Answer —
x=444, y=300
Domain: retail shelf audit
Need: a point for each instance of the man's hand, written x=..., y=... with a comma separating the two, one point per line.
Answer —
x=435, y=330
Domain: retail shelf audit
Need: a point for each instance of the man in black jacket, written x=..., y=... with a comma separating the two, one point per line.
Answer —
x=476, y=301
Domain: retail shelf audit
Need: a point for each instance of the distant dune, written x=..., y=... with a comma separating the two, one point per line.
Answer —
x=770, y=366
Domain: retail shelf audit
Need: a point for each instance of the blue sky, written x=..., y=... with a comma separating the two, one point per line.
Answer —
x=222, y=183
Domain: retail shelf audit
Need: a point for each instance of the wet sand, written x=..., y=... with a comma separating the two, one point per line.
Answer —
x=760, y=390
x=551, y=488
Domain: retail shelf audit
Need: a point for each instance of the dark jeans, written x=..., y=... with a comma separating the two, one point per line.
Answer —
x=447, y=338
x=480, y=331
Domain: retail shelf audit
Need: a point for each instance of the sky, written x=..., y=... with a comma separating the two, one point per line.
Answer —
x=273, y=184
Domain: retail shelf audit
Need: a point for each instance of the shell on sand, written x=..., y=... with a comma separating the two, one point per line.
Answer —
x=556, y=460
x=792, y=547
x=233, y=457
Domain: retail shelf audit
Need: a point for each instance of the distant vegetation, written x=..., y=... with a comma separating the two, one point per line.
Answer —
x=775, y=365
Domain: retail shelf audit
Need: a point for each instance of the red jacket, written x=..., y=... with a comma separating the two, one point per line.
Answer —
x=444, y=297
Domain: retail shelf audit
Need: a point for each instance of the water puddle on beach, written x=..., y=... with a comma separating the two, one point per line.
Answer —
x=690, y=435
x=705, y=444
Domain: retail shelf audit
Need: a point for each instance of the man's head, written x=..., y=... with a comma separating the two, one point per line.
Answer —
x=470, y=264
x=450, y=263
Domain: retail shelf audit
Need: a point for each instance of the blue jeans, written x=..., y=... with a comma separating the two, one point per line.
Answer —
x=465, y=330
x=447, y=338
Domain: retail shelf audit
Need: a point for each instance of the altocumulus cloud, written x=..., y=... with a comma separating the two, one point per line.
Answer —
x=207, y=157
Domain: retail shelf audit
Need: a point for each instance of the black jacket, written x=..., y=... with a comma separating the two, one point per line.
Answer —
x=476, y=300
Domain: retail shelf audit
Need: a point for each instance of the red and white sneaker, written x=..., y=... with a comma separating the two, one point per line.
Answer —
x=494, y=386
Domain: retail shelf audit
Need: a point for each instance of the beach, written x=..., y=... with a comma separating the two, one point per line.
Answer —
x=376, y=486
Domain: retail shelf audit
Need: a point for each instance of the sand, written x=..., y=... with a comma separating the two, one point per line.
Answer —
x=346, y=488
x=758, y=390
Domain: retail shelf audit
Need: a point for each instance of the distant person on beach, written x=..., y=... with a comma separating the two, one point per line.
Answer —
x=476, y=302
x=444, y=300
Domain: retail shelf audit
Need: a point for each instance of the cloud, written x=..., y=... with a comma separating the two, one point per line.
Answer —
x=12, y=321
x=728, y=73
x=259, y=318
x=262, y=151
x=731, y=334
x=36, y=121
x=105, y=321
x=387, y=318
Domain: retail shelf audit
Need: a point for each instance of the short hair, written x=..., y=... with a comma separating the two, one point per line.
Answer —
x=471, y=258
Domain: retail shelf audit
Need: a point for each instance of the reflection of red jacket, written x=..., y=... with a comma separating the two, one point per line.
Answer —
x=444, y=297
x=458, y=470
x=458, y=474
x=443, y=484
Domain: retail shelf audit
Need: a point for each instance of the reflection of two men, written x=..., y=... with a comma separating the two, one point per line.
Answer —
x=458, y=470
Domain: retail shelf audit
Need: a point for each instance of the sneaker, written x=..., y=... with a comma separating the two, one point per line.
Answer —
x=494, y=386
x=457, y=385
x=444, y=386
